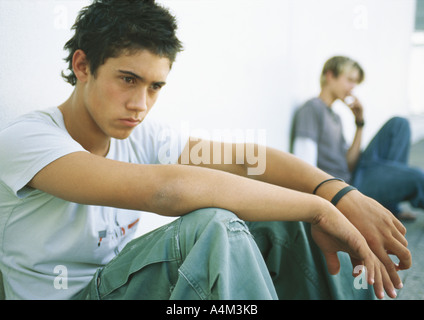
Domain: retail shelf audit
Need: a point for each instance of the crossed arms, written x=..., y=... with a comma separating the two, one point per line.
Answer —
x=359, y=225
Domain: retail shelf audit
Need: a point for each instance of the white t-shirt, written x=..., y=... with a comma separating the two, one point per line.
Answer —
x=50, y=248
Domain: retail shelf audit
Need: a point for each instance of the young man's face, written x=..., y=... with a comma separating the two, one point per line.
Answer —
x=343, y=85
x=124, y=90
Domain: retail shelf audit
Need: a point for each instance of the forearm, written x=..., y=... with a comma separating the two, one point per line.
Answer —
x=171, y=190
x=271, y=166
x=286, y=170
x=354, y=152
x=259, y=163
x=192, y=188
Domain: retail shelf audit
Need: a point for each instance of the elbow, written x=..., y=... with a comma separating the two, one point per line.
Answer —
x=167, y=198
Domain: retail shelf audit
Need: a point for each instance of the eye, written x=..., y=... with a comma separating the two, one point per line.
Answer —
x=156, y=86
x=129, y=80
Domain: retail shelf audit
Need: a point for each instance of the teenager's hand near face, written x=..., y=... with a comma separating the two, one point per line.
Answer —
x=356, y=107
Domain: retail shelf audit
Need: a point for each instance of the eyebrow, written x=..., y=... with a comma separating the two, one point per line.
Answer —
x=162, y=83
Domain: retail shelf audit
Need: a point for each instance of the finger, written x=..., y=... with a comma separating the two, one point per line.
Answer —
x=399, y=236
x=399, y=226
x=370, y=275
x=356, y=263
x=397, y=249
x=378, y=283
x=405, y=260
x=390, y=268
x=333, y=263
x=402, y=253
x=388, y=285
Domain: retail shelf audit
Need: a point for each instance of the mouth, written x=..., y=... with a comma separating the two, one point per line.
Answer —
x=130, y=122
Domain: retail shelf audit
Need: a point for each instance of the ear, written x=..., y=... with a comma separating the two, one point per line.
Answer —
x=80, y=65
x=329, y=76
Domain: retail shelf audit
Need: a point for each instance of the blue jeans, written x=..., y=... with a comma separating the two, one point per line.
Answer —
x=211, y=254
x=383, y=173
x=298, y=268
x=206, y=254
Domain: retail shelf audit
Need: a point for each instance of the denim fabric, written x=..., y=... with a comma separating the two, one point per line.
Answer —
x=207, y=254
x=383, y=172
x=298, y=268
x=211, y=254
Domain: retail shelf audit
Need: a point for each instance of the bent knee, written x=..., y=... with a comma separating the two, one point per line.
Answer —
x=201, y=218
x=210, y=225
x=400, y=122
x=208, y=214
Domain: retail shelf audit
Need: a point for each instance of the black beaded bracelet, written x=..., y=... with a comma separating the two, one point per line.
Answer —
x=319, y=185
x=341, y=193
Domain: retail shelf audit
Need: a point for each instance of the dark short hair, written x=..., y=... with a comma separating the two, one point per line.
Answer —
x=106, y=28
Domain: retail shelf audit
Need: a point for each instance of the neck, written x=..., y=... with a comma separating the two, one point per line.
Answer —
x=81, y=126
x=327, y=97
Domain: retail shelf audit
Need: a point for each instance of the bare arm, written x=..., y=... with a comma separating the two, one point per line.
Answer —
x=257, y=162
x=169, y=189
x=383, y=232
x=175, y=190
x=354, y=152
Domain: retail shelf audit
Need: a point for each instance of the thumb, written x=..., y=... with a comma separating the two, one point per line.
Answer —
x=333, y=263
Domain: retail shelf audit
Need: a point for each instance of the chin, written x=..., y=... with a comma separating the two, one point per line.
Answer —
x=121, y=135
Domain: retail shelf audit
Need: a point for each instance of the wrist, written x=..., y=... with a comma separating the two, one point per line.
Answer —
x=330, y=189
x=321, y=209
x=359, y=123
x=339, y=195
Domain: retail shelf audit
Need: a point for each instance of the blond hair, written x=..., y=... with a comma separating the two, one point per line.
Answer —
x=338, y=65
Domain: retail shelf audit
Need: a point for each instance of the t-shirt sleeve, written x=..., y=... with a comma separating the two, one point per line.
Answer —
x=307, y=123
x=28, y=146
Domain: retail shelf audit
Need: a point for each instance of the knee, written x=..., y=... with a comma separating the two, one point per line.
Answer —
x=400, y=123
x=212, y=218
x=208, y=214
x=212, y=226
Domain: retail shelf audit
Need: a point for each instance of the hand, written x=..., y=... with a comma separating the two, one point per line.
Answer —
x=383, y=232
x=356, y=107
x=332, y=232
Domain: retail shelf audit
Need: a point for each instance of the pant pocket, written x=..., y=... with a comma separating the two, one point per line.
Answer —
x=146, y=268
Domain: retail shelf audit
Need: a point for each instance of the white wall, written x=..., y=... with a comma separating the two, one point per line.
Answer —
x=249, y=63
x=376, y=33
x=32, y=35
x=246, y=64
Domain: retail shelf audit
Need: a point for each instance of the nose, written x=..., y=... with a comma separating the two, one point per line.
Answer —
x=138, y=101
